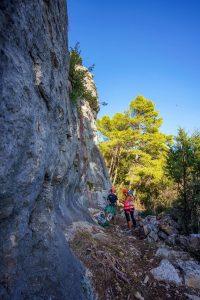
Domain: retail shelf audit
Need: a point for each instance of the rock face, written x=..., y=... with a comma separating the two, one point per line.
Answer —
x=51, y=169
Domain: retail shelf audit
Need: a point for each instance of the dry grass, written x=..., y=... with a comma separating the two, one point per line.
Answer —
x=119, y=263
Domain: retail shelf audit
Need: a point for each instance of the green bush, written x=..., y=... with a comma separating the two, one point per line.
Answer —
x=90, y=185
x=78, y=76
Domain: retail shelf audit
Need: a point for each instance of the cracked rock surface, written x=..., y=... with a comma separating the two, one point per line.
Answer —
x=50, y=171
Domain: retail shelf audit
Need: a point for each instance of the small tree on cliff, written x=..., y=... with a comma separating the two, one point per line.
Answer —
x=78, y=77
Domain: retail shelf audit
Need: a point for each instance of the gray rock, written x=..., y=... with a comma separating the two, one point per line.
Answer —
x=5, y=211
x=152, y=237
x=162, y=235
x=182, y=240
x=170, y=254
x=191, y=271
x=166, y=272
x=149, y=228
x=192, y=297
x=51, y=170
x=146, y=230
x=171, y=240
x=194, y=244
x=138, y=296
x=167, y=225
x=146, y=279
x=190, y=243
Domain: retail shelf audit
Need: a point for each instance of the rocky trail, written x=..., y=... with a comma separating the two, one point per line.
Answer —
x=122, y=265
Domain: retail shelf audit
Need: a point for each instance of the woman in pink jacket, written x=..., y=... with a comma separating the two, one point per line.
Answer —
x=129, y=208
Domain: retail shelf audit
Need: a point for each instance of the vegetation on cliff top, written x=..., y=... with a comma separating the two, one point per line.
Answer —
x=81, y=78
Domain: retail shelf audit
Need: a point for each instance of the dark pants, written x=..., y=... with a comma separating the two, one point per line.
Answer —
x=128, y=214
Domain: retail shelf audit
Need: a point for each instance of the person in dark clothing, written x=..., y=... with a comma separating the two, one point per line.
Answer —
x=112, y=199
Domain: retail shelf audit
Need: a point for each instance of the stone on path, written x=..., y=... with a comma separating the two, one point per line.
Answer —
x=166, y=272
x=191, y=271
x=146, y=279
x=138, y=296
x=170, y=254
x=192, y=297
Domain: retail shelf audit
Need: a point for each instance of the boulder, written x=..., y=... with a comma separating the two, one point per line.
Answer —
x=171, y=239
x=162, y=227
x=166, y=272
x=192, y=297
x=138, y=296
x=168, y=219
x=194, y=244
x=167, y=225
x=191, y=273
x=169, y=230
x=170, y=254
x=151, y=221
x=146, y=230
x=150, y=228
x=152, y=237
x=190, y=243
x=182, y=240
x=163, y=236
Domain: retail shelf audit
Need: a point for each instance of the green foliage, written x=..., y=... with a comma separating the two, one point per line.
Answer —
x=165, y=173
x=78, y=77
x=135, y=150
x=183, y=165
x=90, y=185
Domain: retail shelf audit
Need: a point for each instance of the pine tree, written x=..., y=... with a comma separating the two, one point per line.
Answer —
x=183, y=165
x=135, y=149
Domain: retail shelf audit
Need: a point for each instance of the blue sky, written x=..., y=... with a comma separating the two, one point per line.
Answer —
x=146, y=47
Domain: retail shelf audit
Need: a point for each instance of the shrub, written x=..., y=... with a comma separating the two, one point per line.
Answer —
x=79, y=76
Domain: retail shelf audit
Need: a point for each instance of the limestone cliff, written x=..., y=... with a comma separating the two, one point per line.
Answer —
x=51, y=170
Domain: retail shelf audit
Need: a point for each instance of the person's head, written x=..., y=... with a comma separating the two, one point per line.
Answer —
x=125, y=191
x=112, y=190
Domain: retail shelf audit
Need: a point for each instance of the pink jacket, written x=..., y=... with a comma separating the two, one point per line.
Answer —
x=128, y=204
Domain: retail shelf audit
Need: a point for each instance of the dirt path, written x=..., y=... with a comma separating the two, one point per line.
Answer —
x=120, y=264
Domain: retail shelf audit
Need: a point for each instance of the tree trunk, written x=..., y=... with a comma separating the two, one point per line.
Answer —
x=109, y=171
x=113, y=163
x=117, y=165
x=185, y=204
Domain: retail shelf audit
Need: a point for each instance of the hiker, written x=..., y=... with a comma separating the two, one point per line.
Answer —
x=129, y=208
x=112, y=197
x=112, y=207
